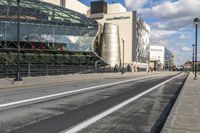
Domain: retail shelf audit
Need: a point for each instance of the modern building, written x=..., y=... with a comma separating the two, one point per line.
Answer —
x=160, y=57
x=51, y=38
x=74, y=5
x=132, y=29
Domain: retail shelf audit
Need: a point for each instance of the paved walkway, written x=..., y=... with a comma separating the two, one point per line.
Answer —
x=28, y=81
x=185, y=115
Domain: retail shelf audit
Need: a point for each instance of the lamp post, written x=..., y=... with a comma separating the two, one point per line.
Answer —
x=18, y=78
x=196, y=22
x=148, y=60
x=193, y=58
x=123, y=56
x=172, y=63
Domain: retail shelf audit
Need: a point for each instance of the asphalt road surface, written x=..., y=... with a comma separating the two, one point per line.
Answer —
x=114, y=105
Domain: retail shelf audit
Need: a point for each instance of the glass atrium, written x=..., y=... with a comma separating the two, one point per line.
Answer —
x=49, y=36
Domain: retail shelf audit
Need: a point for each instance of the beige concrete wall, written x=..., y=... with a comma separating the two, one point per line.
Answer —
x=157, y=53
x=77, y=6
x=125, y=23
x=56, y=2
x=115, y=8
x=111, y=8
x=74, y=5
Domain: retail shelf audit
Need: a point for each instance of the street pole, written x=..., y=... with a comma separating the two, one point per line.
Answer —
x=148, y=60
x=193, y=59
x=18, y=78
x=172, y=63
x=123, y=57
x=196, y=21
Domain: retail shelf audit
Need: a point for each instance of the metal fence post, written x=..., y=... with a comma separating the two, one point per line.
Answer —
x=47, y=69
x=29, y=70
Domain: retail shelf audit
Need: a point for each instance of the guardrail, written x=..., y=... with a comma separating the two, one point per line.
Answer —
x=8, y=70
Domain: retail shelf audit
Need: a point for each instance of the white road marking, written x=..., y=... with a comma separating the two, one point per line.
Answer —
x=94, y=119
x=69, y=92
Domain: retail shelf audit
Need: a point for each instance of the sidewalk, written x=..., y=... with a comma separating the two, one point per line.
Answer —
x=185, y=115
x=42, y=80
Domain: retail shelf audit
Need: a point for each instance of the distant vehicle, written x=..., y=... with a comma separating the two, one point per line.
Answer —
x=179, y=68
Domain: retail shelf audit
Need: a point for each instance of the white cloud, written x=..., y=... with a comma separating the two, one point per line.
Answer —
x=178, y=9
x=186, y=49
x=159, y=25
x=184, y=36
x=135, y=5
x=175, y=15
x=163, y=42
x=160, y=34
x=171, y=22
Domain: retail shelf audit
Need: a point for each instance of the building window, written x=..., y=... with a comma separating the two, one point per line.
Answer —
x=62, y=3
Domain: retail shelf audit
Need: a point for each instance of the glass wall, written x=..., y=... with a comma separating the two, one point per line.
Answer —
x=142, y=41
x=57, y=28
x=53, y=40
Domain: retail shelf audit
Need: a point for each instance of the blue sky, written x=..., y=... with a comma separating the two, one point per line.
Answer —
x=171, y=23
x=87, y=2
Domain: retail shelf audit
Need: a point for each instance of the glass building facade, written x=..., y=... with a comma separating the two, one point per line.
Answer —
x=45, y=23
x=142, y=41
x=49, y=34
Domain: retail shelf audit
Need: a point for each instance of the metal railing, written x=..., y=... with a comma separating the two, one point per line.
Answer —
x=8, y=70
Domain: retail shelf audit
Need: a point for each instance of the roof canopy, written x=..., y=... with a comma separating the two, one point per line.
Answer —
x=35, y=11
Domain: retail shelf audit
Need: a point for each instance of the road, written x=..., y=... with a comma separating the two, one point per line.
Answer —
x=131, y=104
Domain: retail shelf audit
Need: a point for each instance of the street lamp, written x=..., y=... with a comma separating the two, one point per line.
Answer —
x=193, y=59
x=172, y=62
x=196, y=22
x=123, y=56
x=18, y=78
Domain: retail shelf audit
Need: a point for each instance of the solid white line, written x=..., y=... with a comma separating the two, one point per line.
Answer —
x=68, y=92
x=113, y=109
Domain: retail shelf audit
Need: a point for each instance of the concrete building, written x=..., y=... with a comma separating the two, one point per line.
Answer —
x=74, y=5
x=160, y=57
x=132, y=29
x=115, y=8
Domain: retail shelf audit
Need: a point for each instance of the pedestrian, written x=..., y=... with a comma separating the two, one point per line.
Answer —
x=151, y=69
x=134, y=68
x=116, y=68
x=128, y=68
x=138, y=68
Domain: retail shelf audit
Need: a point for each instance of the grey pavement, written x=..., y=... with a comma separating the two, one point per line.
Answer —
x=29, y=81
x=185, y=114
x=61, y=113
x=139, y=116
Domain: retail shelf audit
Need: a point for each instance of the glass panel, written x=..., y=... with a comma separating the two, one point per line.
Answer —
x=40, y=22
